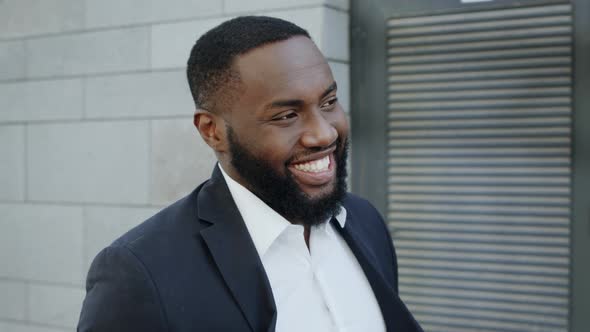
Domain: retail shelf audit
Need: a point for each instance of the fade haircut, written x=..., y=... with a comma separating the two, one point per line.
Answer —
x=212, y=80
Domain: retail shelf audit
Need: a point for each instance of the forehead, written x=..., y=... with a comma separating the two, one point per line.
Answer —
x=290, y=68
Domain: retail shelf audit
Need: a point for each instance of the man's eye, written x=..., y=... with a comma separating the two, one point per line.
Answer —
x=330, y=102
x=285, y=116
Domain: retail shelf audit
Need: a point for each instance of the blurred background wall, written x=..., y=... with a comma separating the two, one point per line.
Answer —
x=96, y=131
x=470, y=132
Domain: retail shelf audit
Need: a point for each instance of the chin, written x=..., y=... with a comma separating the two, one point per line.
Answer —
x=316, y=194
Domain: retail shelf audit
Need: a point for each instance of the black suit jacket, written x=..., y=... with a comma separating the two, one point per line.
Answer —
x=194, y=267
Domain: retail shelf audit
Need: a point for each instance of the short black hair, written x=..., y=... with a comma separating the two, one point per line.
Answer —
x=209, y=68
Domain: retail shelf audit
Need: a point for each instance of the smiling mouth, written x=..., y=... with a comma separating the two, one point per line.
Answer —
x=314, y=166
x=314, y=173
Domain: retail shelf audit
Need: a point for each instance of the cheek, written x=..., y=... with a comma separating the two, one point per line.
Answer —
x=339, y=121
x=277, y=146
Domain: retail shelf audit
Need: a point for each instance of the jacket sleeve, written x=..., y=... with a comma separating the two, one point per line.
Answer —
x=120, y=295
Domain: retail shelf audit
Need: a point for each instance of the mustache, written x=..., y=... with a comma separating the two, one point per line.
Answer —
x=300, y=155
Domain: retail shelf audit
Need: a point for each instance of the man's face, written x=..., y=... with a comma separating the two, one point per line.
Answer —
x=287, y=132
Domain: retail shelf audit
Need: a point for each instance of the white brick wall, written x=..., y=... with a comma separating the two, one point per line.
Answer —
x=19, y=18
x=55, y=305
x=95, y=52
x=172, y=42
x=89, y=162
x=41, y=243
x=101, y=13
x=12, y=59
x=12, y=167
x=25, y=327
x=150, y=94
x=177, y=150
x=96, y=132
x=13, y=302
x=41, y=100
x=103, y=224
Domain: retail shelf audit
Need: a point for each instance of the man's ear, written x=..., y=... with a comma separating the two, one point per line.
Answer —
x=212, y=129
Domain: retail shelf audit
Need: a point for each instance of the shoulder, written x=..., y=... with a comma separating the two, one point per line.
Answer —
x=175, y=220
x=160, y=243
x=131, y=275
x=359, y=207
x=365, y=219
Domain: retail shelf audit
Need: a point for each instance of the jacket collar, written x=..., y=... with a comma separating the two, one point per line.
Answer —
x=234, y=253
x=236, y=257
x=395, y=313
x=264, y=224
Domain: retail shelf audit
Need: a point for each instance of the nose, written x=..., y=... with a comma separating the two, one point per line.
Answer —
x=318, y=132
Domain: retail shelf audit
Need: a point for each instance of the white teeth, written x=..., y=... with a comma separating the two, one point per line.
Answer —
x=315, y=166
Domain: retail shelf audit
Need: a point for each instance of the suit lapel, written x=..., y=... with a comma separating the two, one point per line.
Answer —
x=234, y=254
x=395, y=314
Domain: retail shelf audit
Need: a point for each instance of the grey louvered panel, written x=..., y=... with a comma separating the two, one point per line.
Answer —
x=513, y=319
x=481, y=84
x=464, y=37
x=486, y=93
x=497, y=142
x=508, y=180
x=549, y=61
x=440, y=221
x=481, y=257
x=479, y=104
x=493, y=132
x=498, y=296
x=478, y=55
x=485, y=122
x=478, y=161
x=429, y=235
x=442, y=328
x=483, y=208
x=484, y=248
x=455, y=151
x=470, y=199
x=492, y=15
x=479, y=26
x=488, y=45
x=496, y=306
x=486, y=113
x=479, y=166
x=559, y=72
x=556, y=319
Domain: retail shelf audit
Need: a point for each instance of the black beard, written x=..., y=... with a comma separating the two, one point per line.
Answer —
x=281, y=192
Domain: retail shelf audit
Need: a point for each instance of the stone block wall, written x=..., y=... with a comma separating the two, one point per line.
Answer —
x=96, y=131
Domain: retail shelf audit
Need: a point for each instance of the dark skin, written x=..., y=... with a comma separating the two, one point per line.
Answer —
x=286, y=110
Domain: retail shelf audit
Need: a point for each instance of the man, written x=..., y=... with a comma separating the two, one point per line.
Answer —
x=272, y=241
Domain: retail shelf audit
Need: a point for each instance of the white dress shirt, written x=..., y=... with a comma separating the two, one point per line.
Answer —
x=322, y=288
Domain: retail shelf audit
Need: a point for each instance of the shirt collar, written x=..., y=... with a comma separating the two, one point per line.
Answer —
x=263, y=223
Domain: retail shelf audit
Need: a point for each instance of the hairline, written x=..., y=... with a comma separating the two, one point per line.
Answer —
x=233, y=73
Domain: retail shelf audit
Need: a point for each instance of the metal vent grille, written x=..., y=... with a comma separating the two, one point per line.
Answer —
x=479, y=115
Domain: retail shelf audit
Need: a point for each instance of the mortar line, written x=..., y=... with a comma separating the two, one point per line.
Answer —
x=92, y=75
x=96, y=120
x=222, y=14
x=90, y=204
x=27, y=300
x=150, y=161
x=43, y=282
x=26, y=168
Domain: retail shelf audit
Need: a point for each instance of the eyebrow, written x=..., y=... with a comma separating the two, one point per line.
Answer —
x=299, y=102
